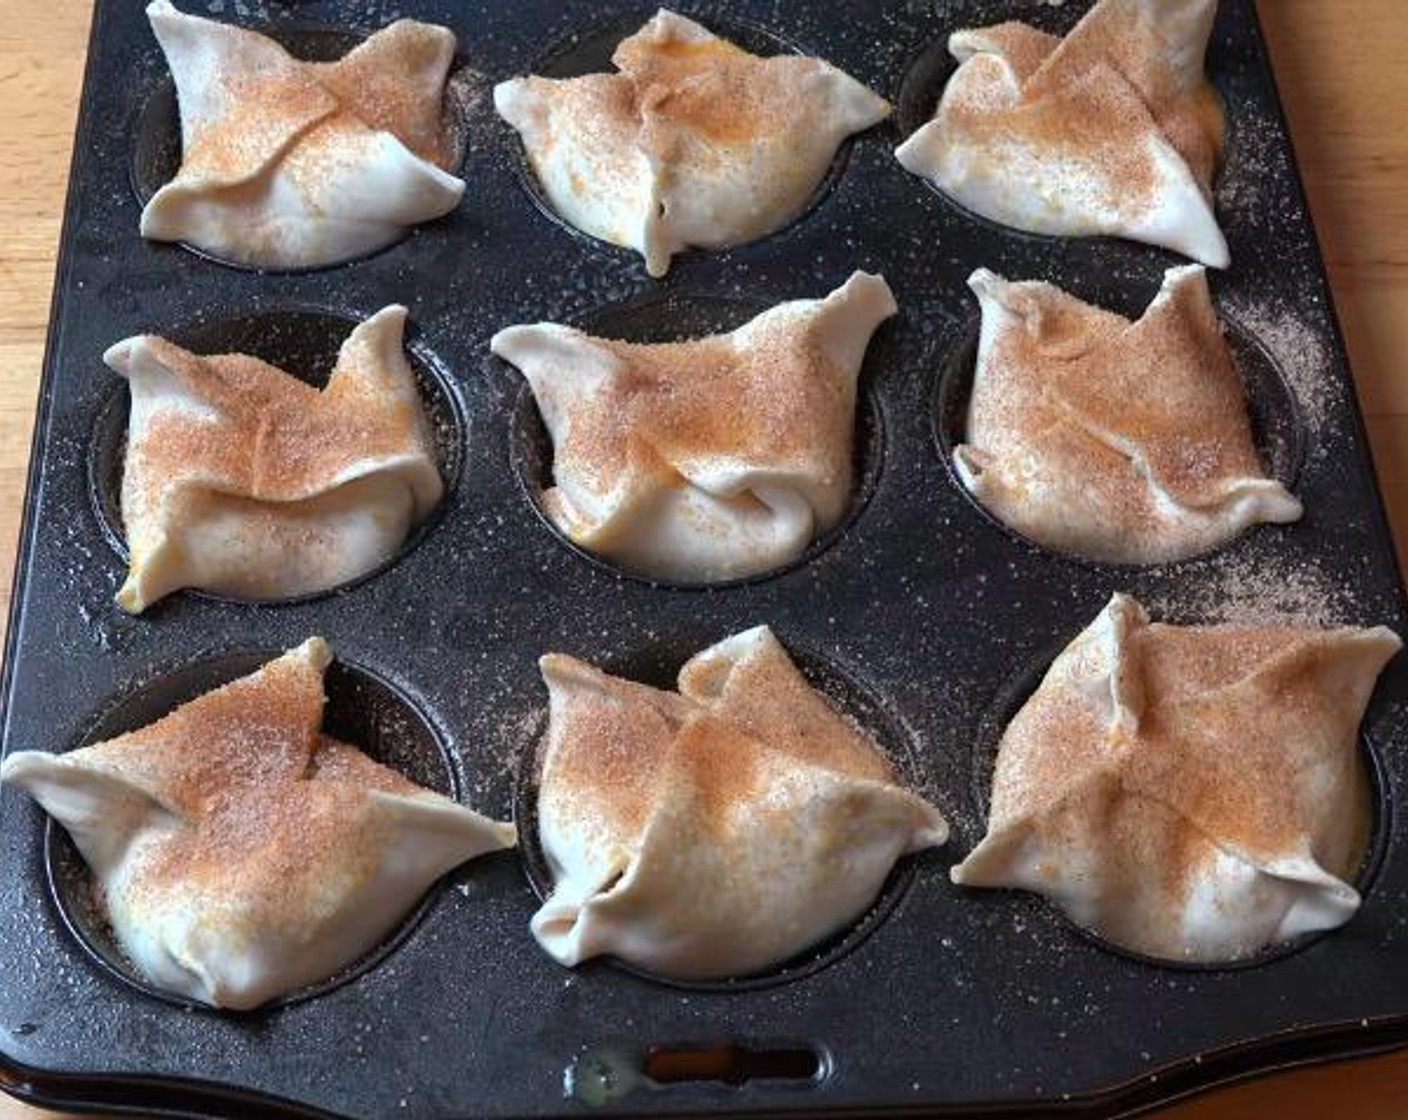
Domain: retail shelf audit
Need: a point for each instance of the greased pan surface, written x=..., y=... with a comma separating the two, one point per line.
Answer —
x=922, y=616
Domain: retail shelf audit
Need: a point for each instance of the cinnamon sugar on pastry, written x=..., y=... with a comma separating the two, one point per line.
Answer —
x=692, y=143
x=710, y=459
x=292, y=164
x=1193, y=793
x=768, y=698
x=786, y=401
x=241, y=853
x=242, y=479
x=1114, y=129
x=606, y=766
x=714, y=831
x=394, y=82
x=1115, y=440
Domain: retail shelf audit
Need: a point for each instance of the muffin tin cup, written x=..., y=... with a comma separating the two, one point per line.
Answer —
x=956, y=1000
x=1009, y=699
x=681, y=317
x=921, y=85
x=302, y=341
x=588, y=50
x=1273, y=413
x=363, y=708
x=658, y=665
x=156, y=128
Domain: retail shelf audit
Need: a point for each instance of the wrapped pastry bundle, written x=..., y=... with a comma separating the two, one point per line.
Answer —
x=692, y=143
x=718, y=830
x=1114, y=129
x=1192, y=793
x=711, y=459
x=291, y=164
x=241, y=853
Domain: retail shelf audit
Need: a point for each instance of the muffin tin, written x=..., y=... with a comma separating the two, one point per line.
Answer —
x=920, y=614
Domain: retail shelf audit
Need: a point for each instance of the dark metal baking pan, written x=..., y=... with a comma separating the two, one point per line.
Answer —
x=947, y=1001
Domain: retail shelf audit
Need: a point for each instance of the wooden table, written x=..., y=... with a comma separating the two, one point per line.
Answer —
x=1341, y=72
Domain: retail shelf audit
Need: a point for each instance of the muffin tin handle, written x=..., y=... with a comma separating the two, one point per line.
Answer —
x=604, y=1075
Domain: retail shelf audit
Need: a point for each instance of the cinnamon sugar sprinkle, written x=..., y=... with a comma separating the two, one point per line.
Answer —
x=393, y=82
x=617, y=750
x=268, y=802
x=608, y=741
x=276, y=438
x=1095, y=96
x=1257, y=587
x=775, y=398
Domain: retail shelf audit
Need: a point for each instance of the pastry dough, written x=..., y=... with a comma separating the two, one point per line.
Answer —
x=705, y=460
x=716, y=831
x=693, y=143
x=243, y=480
x=241, y=854
x=1117, y=441
x=1114, y=129
x=1191, y=793
x=290, y=164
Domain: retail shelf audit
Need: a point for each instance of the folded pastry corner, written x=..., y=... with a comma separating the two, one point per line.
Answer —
x=1190, y=793
x=241, y=853
x=1114, y=129
x=715, y=831
x=243, y=480
x=710, y=459
x=691, y=143
x=1119, y=441
x=291, y=164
